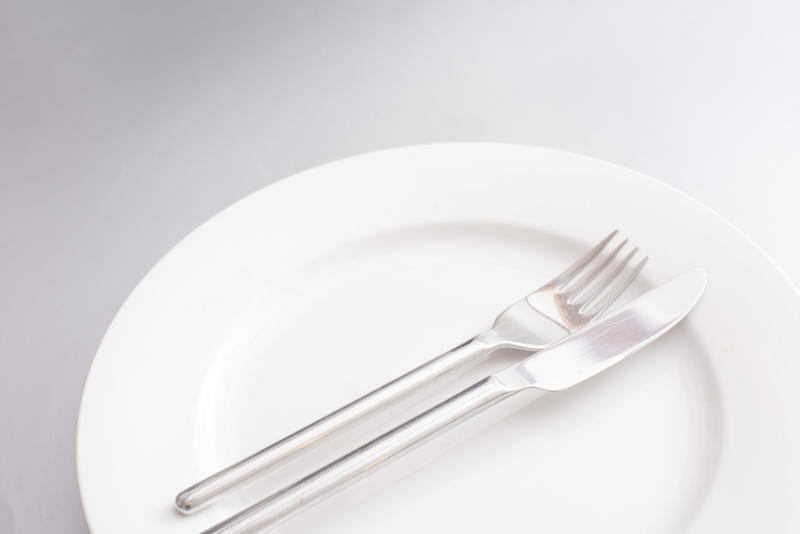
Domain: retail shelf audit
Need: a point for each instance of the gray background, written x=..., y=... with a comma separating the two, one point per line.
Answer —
x=124, y=125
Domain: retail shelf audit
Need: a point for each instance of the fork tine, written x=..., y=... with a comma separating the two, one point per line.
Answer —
x=576, y=267
x=617, y=289
x=573, y=292
x=594, y=291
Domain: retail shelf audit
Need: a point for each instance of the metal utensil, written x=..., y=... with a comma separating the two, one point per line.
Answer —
x=565, y=304
x=564, y=364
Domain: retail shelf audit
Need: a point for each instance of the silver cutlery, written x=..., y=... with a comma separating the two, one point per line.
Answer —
x=560, y=366
x=564, y=305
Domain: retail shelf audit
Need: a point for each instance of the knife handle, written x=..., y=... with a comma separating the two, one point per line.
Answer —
x=377, y=453
x=201, y=493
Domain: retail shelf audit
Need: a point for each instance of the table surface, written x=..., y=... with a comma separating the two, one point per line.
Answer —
x=124, y=125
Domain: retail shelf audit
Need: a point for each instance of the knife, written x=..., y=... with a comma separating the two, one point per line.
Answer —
x=560, y=366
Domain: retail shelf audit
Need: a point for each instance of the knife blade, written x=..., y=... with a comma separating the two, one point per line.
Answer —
x=560, y=366
x=609, y=340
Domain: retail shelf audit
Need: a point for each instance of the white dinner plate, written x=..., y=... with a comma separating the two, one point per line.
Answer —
x=320, y=287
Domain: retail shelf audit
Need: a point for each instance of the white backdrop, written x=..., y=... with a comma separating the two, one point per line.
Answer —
x=124, y=125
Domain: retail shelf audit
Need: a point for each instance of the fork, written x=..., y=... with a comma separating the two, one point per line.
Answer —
x=567, y=303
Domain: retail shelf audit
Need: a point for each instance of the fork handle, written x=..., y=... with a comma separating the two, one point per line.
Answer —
x=202, y=492
x=377, y=453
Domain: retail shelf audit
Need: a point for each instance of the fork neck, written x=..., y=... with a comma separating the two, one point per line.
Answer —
x=470, y=352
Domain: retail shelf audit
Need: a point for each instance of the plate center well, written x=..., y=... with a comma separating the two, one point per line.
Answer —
x=632, y=450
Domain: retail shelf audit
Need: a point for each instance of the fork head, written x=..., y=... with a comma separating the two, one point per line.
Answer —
x=572, y=299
